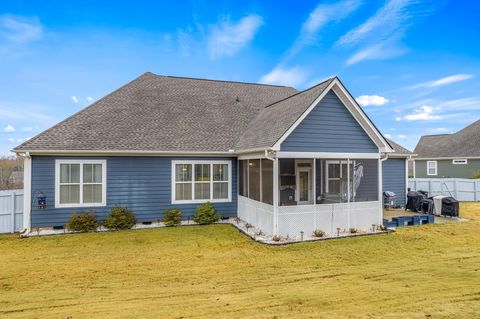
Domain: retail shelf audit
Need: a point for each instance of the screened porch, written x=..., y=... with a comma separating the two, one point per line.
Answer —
x=311, y=193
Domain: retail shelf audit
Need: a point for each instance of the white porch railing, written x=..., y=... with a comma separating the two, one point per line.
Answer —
x=462, y=189
x=327, y=217
x=11, y=210
x=256, y=213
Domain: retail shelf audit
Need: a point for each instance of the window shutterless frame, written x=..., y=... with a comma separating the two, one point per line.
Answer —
x=81, y=203
x=432, y=165
x=211, y=182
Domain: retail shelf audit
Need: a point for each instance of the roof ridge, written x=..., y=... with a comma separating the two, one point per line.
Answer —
x=295, y=94
x=223, y=81
x=80, y=111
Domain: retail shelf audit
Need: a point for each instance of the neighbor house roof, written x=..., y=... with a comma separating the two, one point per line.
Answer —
x=464, y=143
x=398, y=149
x=163, y=113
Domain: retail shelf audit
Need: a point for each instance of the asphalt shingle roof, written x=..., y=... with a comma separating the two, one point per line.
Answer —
x=274, y=120
x=398, y=149
x=464, y=143
x=162, y=113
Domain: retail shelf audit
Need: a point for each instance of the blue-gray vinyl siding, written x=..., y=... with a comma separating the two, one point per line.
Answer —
x=393, y=178
x=143, y=184
x=329, y=127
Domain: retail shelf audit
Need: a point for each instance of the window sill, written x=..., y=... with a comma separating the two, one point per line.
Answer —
x=201, y=201
x=80, y=205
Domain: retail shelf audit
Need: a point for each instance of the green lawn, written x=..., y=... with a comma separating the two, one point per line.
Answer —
x=216, y=272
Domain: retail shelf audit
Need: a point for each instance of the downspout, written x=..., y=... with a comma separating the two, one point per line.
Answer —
x=380, y=187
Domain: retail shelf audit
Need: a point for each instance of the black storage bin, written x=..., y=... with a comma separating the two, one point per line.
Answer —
x=414, y=201
x=450, y=207
x=427, y=206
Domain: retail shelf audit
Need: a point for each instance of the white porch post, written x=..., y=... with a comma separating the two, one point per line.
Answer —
x=276, y=192
x=27, y=191
x=380, y=190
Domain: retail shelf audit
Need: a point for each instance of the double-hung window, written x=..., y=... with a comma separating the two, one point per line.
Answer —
x=201, y=181
x=431, y=167
x=80, y=183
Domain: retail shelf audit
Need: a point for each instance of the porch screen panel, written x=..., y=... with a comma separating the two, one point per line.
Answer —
x=254, y=179
x=243, y=178
x=267, y=181
x=364, y=180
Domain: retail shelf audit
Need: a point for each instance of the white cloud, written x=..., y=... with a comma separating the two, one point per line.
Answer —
x=424, y=113
x=11, y=140
x=74, y=99
x=374, y=100
x=388, y=135
x=283, y=76
x=383, y=50
x=227, y=38
x=9, y=129
x=318, y=18
x=444, y=81
x=18, y=29
x=398, y=119
x=440, y=129
x=401, y=136
x=380, y=35
x=89, y=98
x=386, y=21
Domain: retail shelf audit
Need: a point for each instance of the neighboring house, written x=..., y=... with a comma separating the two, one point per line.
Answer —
x=283, y=160
x=395, y=172
x=449, y=155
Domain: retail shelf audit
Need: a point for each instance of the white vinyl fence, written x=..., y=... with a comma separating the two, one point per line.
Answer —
x=462, y=189
x=11, y=210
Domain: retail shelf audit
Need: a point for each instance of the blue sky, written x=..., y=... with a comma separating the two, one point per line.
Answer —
x=413, y=65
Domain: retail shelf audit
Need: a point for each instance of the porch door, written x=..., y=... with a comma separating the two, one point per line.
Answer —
x=304, y=185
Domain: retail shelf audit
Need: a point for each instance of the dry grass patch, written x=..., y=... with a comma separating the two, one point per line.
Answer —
x=216, y=272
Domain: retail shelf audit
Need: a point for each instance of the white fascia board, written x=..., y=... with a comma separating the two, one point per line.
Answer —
x=327, y=155
x=122, y=153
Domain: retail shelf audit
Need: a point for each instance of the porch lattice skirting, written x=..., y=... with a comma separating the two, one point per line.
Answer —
x=256, y=213
x=326, y=217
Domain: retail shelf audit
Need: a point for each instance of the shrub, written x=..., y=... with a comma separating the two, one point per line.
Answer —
x=85, y=222
x=476, y=174
x=120, y=218
x=172, y=217
x=353, y=230
x=318, y=233
x=205, y=214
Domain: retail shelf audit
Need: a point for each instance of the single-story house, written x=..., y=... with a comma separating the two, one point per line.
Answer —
x=454, y=155
x=283, y=160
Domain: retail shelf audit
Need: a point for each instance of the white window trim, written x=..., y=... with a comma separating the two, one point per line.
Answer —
x=199, y=201
x=460, y=161
x=428, y=168
x=81, y=204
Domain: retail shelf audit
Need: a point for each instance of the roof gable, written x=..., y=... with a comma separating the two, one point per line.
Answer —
x=329, y=127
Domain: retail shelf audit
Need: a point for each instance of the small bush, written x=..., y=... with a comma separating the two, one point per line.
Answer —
x=85, y=222
x=353, y=230
x=205, y=214
x=120, y=218
x=318, y=233
x=172, y=217
x=476, y=174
